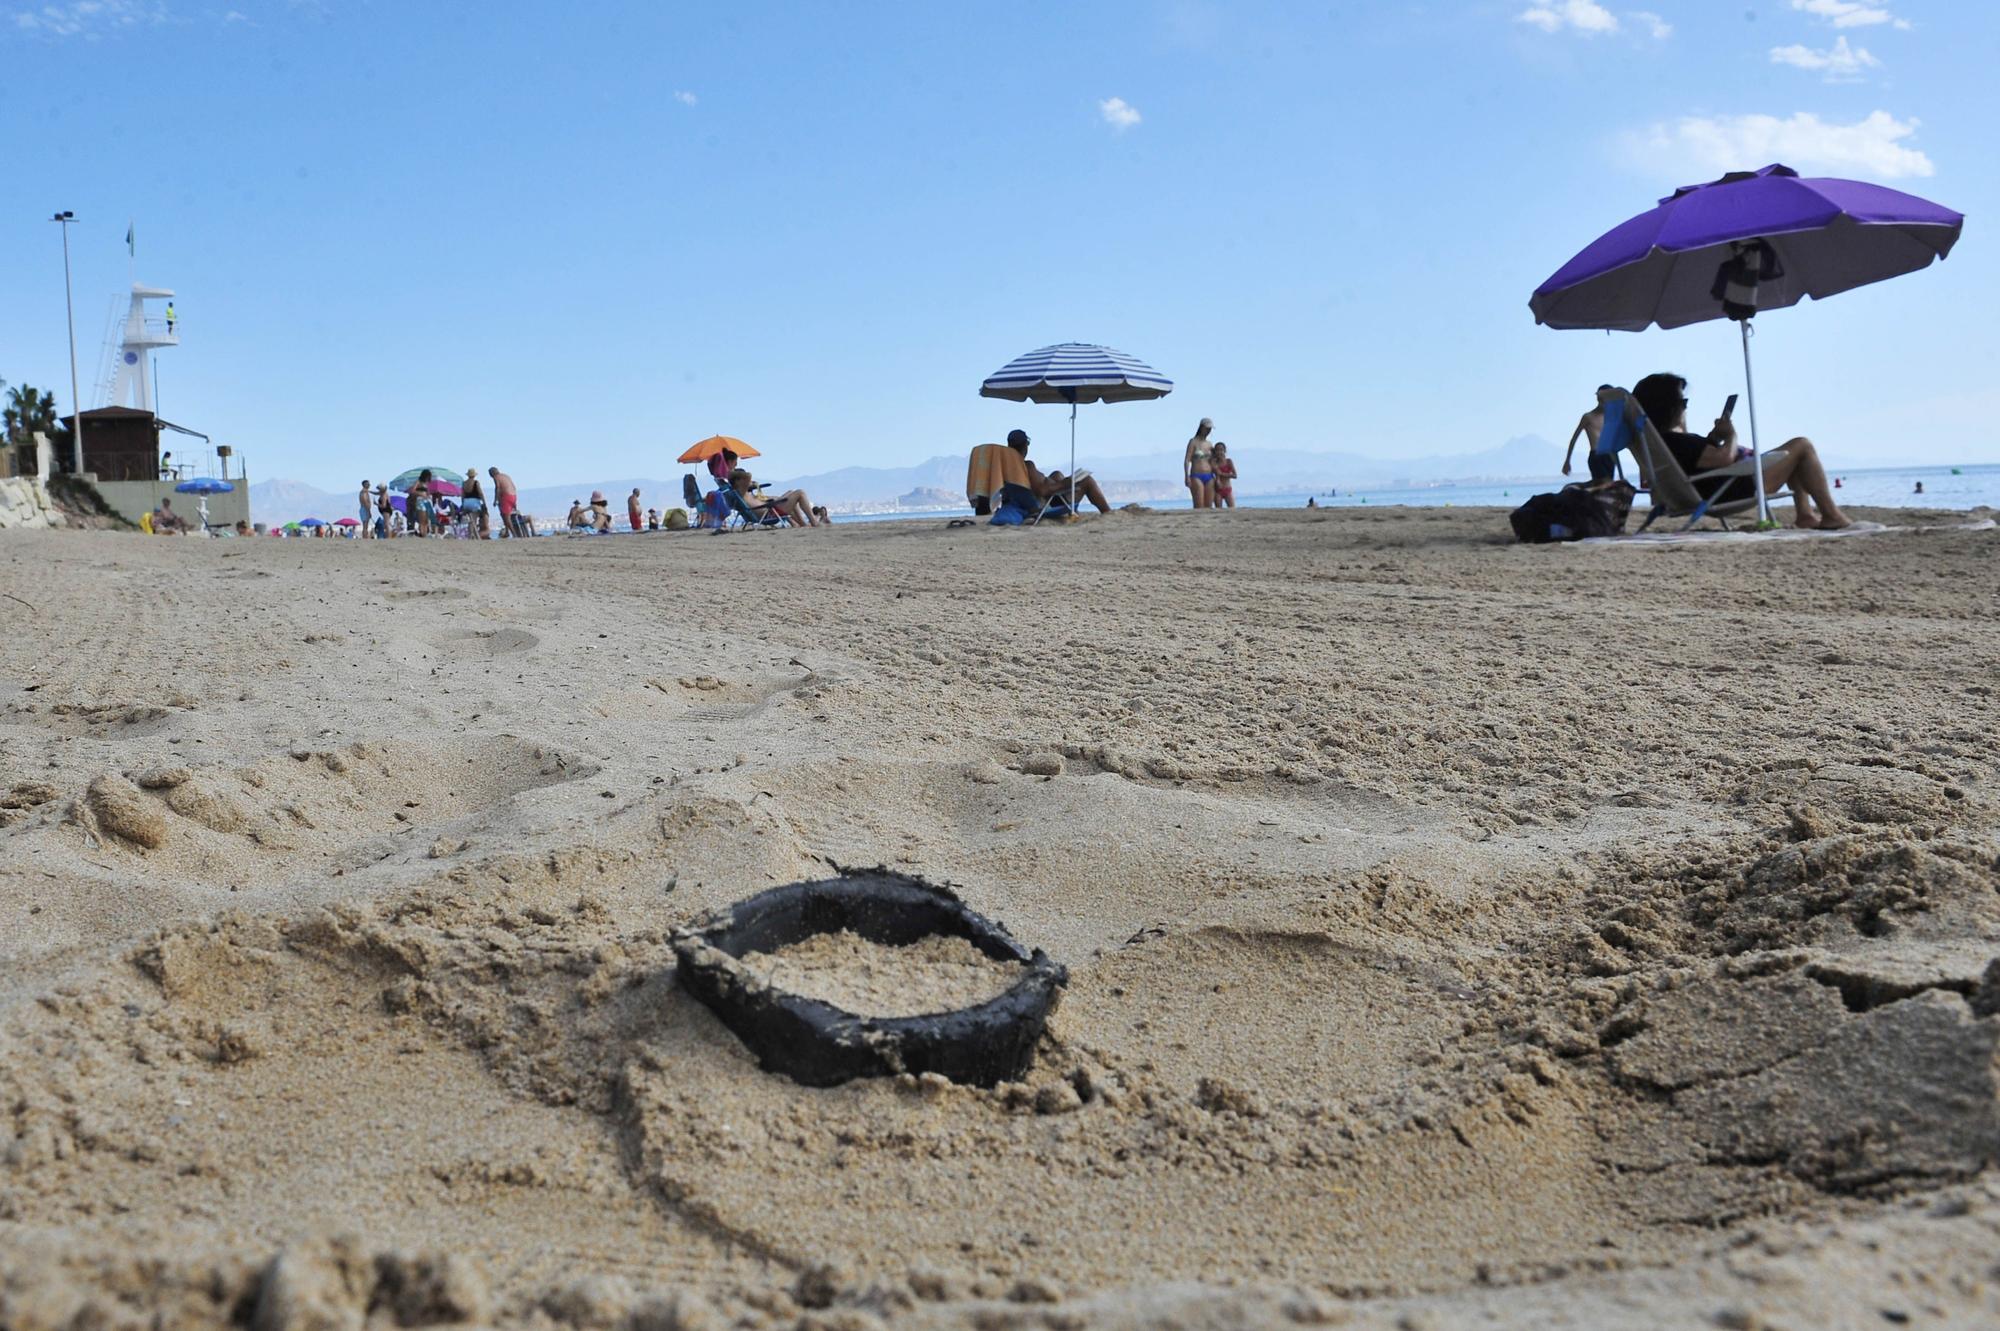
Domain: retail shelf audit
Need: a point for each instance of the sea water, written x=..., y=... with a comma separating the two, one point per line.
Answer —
x=1877, y=487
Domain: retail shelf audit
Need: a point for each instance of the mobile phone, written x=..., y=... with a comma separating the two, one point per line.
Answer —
x=1729, y=407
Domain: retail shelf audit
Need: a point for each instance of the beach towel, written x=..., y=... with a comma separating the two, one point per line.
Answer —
x=991, y=467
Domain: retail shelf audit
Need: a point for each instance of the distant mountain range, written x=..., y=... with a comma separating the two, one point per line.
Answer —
x=1137, y=476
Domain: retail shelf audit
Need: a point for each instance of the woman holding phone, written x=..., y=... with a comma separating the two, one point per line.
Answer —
x=1663, y=397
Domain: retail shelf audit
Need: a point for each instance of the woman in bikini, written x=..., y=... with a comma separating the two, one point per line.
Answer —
x=1198, y=466
x=417, y=505
x=1225, y=477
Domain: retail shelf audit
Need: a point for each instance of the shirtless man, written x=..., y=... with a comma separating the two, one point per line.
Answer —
x=633, y=513
x=507, y=499
x=1589, y=426
x=367, y=513
x=1055, y=482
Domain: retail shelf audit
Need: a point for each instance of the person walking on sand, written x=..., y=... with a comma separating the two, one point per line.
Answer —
x=1198, y=466
x=367, y=510
x=633, y=514
x=1589, y=426
x=1225, y=477
x=472, y=503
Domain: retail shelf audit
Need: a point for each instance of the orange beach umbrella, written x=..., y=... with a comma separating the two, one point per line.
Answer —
x=718, y=443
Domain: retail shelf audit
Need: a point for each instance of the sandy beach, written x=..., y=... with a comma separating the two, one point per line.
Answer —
x=1458, y=932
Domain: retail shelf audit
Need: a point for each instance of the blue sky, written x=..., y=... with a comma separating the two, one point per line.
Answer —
x=570, y=239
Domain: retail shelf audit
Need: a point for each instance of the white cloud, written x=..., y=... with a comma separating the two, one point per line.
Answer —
x=1871, y=147
x=1840, y=63
x=1118, y=113
x=1582, y=15
x=686, y=98
x=90, y=19
x=1850, y=13
x=1591, y=19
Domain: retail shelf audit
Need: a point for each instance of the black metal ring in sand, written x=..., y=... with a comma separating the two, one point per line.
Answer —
x=818, y=1044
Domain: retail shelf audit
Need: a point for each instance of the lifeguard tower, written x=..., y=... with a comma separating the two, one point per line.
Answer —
x=132, y=378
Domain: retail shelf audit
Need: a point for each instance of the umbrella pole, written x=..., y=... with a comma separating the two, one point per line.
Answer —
x=1756, y=454
x=1072, y=458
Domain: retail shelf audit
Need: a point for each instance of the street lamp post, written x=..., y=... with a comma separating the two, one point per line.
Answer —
x=69, y=307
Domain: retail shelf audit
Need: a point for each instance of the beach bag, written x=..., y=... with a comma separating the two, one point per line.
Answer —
x=676, y=519
x=1574, y=513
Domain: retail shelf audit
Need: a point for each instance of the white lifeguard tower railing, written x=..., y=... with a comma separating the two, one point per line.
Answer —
x=132, y=374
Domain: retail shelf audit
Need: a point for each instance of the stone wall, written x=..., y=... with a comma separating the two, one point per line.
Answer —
x=25, y=502
x=132, y=498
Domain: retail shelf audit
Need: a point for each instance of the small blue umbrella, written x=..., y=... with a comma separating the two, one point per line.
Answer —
x=1076, y=372
x=204, y=485
x=312, y=522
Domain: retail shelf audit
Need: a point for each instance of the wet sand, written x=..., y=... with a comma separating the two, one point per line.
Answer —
x=1458, y=932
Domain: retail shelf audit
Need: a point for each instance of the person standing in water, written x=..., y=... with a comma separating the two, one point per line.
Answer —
x=1198, y=466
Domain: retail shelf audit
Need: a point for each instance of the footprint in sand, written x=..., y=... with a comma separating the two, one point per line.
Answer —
x=489, y=642
x=427, y=594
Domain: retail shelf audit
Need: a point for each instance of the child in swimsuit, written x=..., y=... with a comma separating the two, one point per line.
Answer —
x=1225, y=477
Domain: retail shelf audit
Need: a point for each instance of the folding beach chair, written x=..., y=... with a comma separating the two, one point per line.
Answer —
x=747, y=516
x=997, y=477
x=1671, y=491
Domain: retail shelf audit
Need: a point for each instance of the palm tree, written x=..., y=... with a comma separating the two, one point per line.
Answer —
x=27, y=411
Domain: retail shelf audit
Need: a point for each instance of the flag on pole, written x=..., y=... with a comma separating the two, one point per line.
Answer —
x=130, y=248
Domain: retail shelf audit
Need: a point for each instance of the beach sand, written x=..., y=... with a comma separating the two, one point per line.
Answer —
x=1458, y=932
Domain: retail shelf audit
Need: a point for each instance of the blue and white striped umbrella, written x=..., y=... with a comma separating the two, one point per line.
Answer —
x=1076, y=372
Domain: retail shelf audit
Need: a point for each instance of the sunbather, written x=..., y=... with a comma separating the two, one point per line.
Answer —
x=792, y=505
x=1663, y=397
x=1055, y=483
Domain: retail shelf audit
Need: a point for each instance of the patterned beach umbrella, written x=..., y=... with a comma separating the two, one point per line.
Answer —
x=444, y=480
x=1076, y=372
x=1751, y=241
x=204, y=485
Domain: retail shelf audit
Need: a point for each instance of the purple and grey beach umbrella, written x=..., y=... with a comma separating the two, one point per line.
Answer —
x=1751, y=241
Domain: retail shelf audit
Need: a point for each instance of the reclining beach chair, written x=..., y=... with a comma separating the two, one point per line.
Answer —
x=1672, y=492
x=747, y=516
x=997, y=477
